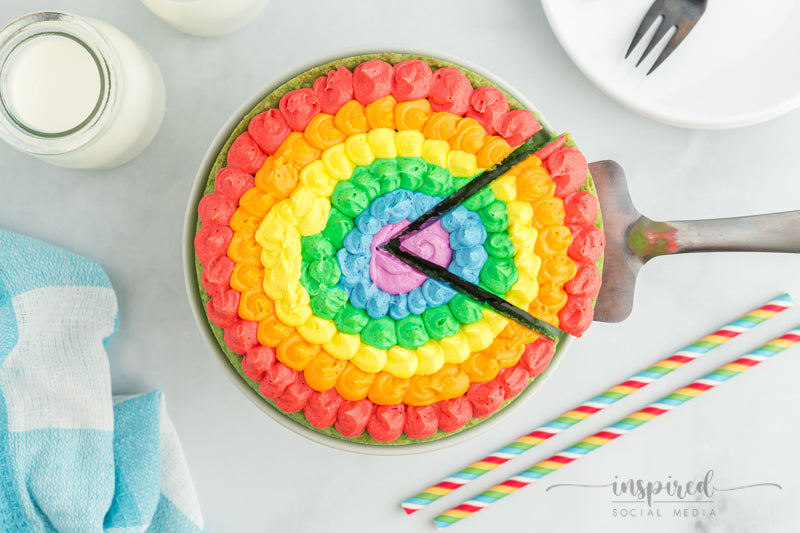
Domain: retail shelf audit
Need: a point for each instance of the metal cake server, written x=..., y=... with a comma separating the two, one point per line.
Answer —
x=633, y=239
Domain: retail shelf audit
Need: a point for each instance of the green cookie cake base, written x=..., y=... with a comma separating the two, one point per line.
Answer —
x=271, y=101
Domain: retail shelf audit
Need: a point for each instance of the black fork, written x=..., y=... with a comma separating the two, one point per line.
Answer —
x=682, y=14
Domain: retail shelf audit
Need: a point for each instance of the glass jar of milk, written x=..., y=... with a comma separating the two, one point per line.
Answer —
x=206, y=18
x=77, y=92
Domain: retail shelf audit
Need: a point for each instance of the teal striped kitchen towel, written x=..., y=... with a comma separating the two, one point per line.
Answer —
x=74, y=458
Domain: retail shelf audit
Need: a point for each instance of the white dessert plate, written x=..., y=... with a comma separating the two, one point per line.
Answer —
x=737, y=67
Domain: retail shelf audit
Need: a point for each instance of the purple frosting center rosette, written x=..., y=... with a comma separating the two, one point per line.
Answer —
x=393, y=276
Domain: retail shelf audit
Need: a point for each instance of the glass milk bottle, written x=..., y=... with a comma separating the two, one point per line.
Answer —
x=206, y=18
x=77, y=92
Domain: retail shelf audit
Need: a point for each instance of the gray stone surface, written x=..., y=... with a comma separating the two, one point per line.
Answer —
x=251, y=474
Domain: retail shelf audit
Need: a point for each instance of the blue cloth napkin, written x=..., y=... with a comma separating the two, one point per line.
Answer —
x=72, y=457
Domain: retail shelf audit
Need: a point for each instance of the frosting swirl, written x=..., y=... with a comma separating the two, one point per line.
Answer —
x=386, y=423
x=454, y=413
x=212, y=241
x=353, y=417
x=334, y=90
x=567, y=167
x=487, y=105
x=485, y=397
x=298, y=107
x=517, y=126
x=577, y=314
x=411, y=80
x=216, y=208
x=450, y=91
x=586, y=281
x=245, y=154
x=394, y=276
x=580, y=209
x=217, y=274
x=587, y=245
x=322, y=408
x=372, y=80
x=268, y=130
x=421, y=421
x=232, y=182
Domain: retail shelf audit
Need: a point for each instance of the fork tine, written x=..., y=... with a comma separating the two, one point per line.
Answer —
x=649, y=18
x=660, y=32
x=684, y=27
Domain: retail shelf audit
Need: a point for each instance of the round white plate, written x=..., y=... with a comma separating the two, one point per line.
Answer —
x=737, y=67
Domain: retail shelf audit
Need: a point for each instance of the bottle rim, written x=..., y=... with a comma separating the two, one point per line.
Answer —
x=13, y=38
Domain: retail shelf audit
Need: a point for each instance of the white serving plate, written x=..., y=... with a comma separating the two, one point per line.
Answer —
x=737, y=67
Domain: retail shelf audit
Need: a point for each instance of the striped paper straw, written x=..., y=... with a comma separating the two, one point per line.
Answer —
x=597, y=404
x=619, y=429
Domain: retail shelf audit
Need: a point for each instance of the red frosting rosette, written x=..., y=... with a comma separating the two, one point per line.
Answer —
x=372, y=80
x=517, y=126
x=245, y=154
x=450, y=91
x=411, y=80
x=299, y=107
x=269, y=129
x=334, y=90
x=487, y=105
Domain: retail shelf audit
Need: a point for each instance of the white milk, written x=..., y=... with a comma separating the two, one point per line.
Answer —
x=77, y=92
x=53, y=83
x=206, y=18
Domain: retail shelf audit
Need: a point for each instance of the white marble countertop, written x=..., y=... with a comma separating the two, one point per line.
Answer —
x=251, y=474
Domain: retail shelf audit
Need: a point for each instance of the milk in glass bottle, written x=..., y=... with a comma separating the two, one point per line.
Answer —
x=77, y=92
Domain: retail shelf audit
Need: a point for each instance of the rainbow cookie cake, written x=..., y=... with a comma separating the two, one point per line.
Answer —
x=337, y=333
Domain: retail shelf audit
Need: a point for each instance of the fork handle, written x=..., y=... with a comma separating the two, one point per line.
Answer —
x=775, y=232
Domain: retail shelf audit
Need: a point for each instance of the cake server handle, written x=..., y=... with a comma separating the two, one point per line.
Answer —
x=775, y=232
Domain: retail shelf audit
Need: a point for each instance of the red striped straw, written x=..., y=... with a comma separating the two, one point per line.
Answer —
x=613, y=432
x=598, y=403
